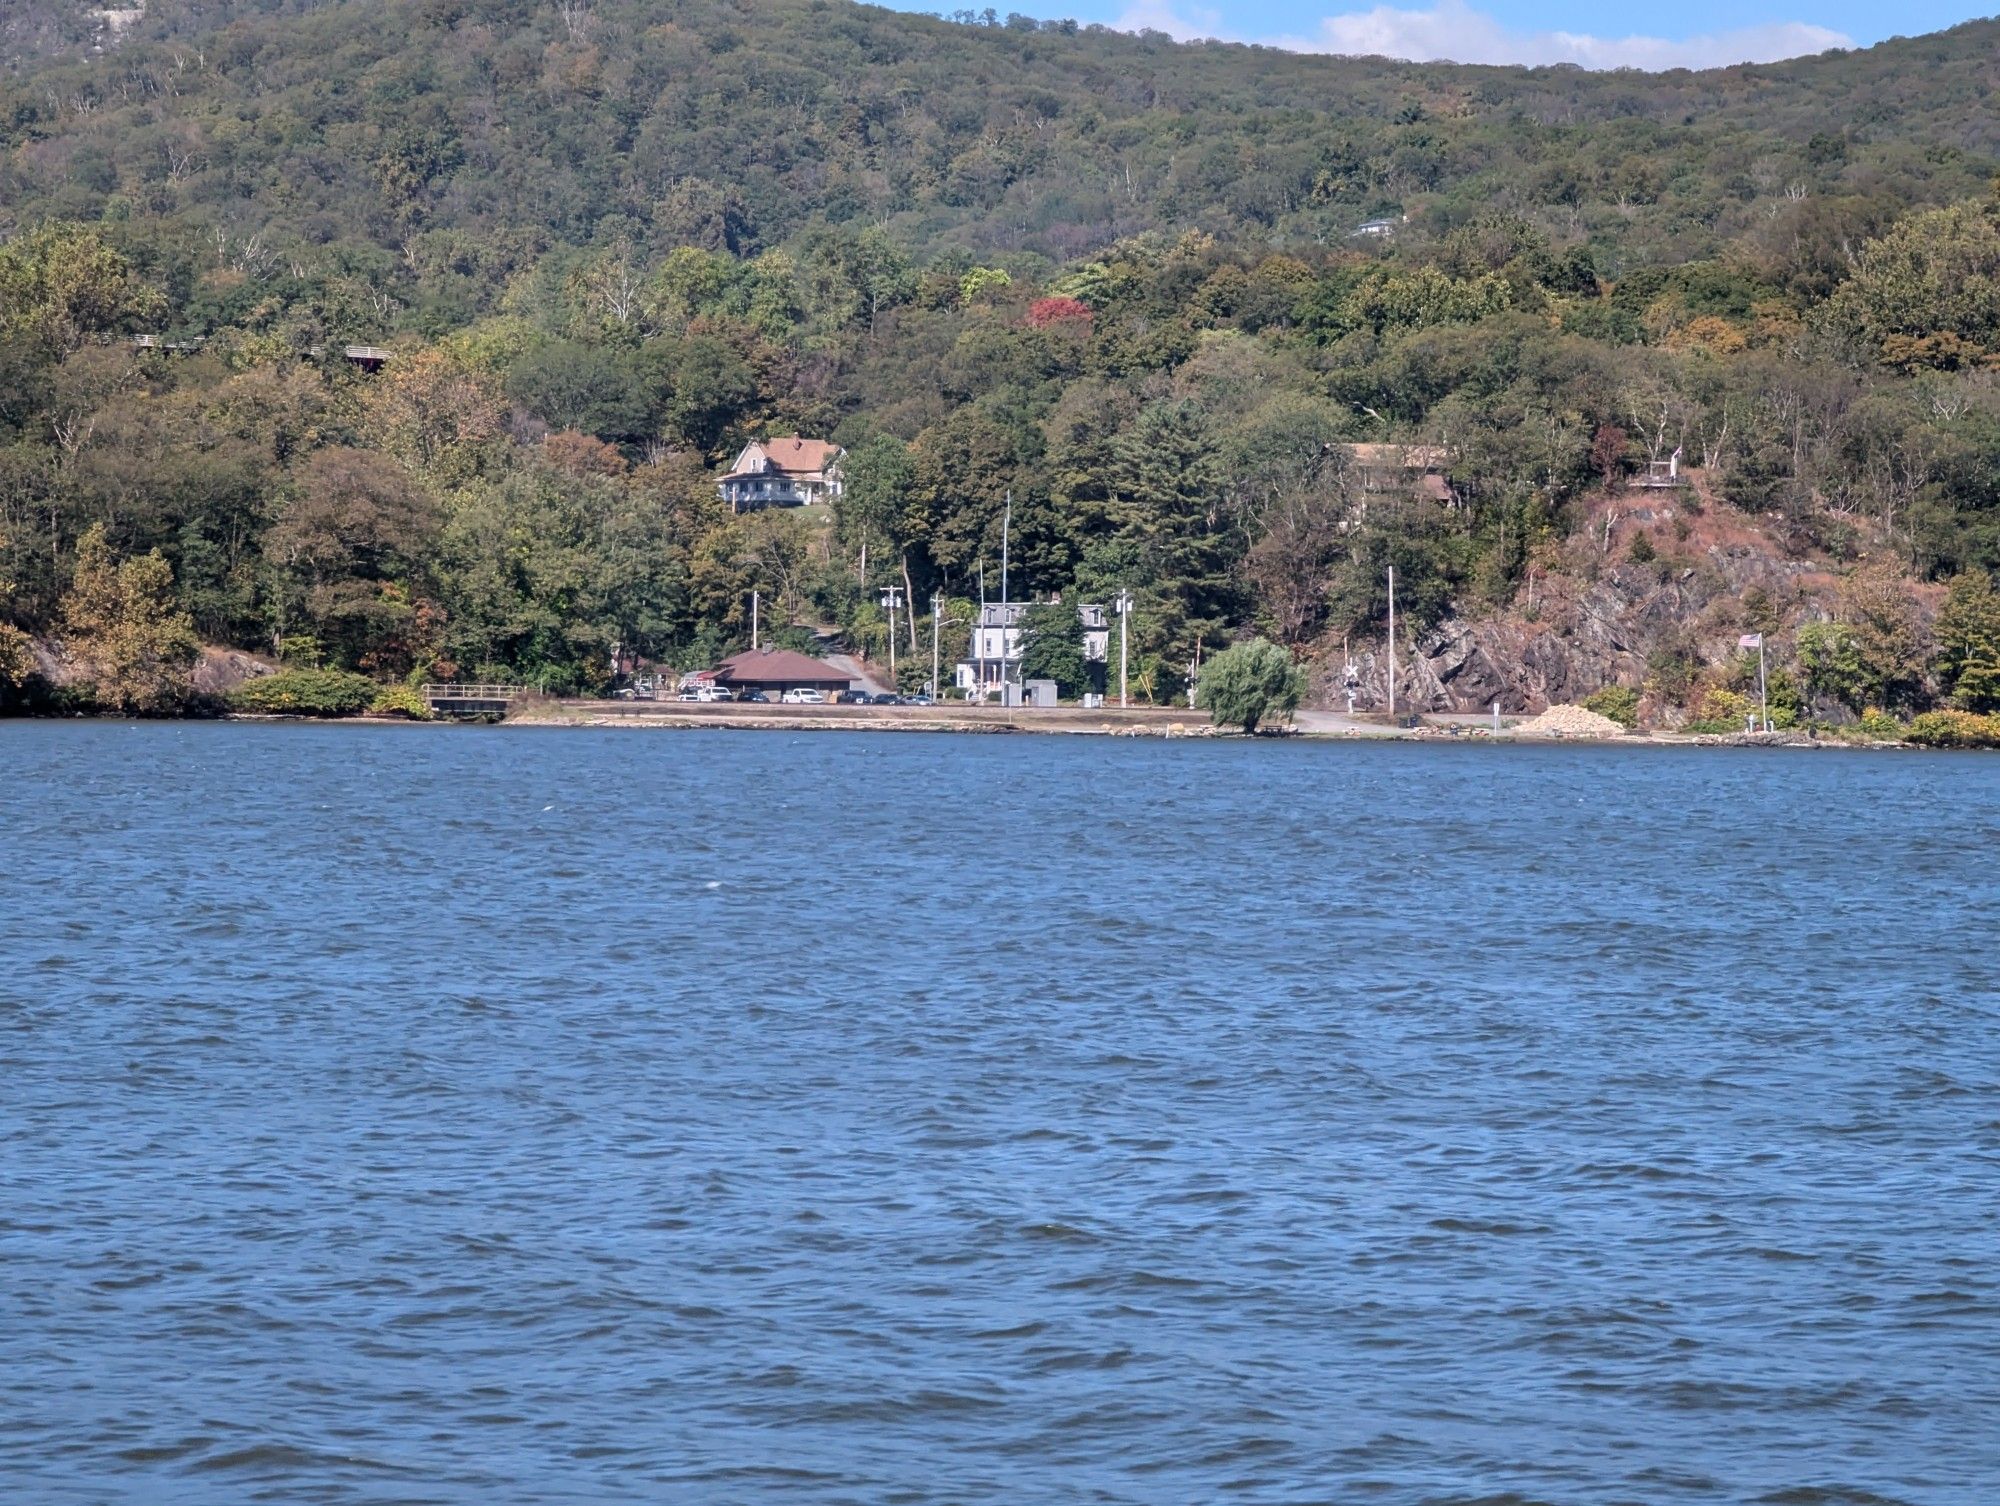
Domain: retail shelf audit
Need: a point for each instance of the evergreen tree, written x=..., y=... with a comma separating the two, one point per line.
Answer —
x=1052, y=647
x=1170, y=509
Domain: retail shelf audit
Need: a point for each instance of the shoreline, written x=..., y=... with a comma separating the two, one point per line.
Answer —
x=1165, y=722
x=1067, y=721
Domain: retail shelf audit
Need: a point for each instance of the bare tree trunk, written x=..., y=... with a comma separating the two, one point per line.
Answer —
x=910, y=596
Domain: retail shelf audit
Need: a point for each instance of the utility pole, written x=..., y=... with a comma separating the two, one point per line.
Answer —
x=979, y=630
x=934, y=645
x=753, y=622
x=892, y=597
x=1392, y=640
x=1124, y=605
x=1006, y=524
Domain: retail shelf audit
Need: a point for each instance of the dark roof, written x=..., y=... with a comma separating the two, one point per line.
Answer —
x=779, y=666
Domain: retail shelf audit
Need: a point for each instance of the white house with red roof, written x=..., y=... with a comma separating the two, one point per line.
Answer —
x=790, y=471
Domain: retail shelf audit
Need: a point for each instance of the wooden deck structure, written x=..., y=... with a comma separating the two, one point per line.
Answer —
x=367, y=357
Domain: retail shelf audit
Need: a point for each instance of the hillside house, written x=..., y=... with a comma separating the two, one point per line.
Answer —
x=790, y=471
x=1421, y=468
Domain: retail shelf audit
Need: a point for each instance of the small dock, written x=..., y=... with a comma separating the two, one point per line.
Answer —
x=472, y=700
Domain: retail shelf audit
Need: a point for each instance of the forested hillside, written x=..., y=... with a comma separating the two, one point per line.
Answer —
x=1114, y=277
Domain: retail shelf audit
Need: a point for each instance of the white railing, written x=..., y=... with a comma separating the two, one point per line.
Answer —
x=466, y=691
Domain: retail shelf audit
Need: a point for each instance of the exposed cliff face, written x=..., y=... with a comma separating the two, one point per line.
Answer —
x=1594, y=615
x=216, y=672
x=221, y=670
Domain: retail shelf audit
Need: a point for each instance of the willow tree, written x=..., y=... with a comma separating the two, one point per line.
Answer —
x=1250, y=683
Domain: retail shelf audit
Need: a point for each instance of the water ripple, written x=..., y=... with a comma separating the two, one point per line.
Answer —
x=866, y=1120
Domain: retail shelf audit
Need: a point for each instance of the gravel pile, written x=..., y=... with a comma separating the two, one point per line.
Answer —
x=1569, y=721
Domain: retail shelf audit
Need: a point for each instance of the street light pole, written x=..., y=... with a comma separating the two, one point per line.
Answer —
x=1124, y=605
x=1006, y=525
x=934, y=645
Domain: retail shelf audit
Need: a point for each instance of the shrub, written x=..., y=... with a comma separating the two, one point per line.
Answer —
x=401, y=700
x=1722, y=711
x=1619, y=702
x=1881, y=726
x=306, y=692
x=1954, y=729
x=1250, y=683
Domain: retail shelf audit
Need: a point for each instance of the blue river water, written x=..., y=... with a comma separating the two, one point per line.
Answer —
x=507, y=1115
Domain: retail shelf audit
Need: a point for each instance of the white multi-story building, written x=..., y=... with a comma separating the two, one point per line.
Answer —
x=993, y=657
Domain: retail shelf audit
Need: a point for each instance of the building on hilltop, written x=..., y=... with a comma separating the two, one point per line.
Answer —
x=993, y=656
x=789, y=471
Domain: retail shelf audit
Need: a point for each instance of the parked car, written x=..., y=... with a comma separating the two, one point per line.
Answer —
x=888, y=698
x=919, y=699
x=852, y=698
x=716, y=693
x=755, y=695
x=805, y=698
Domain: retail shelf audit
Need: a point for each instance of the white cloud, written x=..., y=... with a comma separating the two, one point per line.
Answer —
x=1452, y=31
x=1184, y=23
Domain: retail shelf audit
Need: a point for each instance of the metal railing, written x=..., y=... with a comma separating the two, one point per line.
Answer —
x=466, y=691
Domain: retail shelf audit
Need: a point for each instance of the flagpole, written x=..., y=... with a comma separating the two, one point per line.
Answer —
x=1763, y=695
x=1392, y=641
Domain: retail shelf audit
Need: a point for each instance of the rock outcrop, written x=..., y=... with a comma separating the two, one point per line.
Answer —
x=1594, y=615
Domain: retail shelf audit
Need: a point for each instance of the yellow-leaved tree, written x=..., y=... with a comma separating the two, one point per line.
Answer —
x=134, y=649
x=17, y=661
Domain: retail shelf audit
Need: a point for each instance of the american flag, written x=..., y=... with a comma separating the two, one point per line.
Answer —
x=1750, y=640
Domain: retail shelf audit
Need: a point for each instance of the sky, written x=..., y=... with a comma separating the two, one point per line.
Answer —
x=1682, y=34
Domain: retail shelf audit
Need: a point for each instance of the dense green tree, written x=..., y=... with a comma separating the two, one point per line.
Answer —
x=1832, y=664
x=1968, y=643
x=573, y=385
x=1168, y=508
x=1928, y=292
x=1052, y=647
x=348, y=550
x=869, y=513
